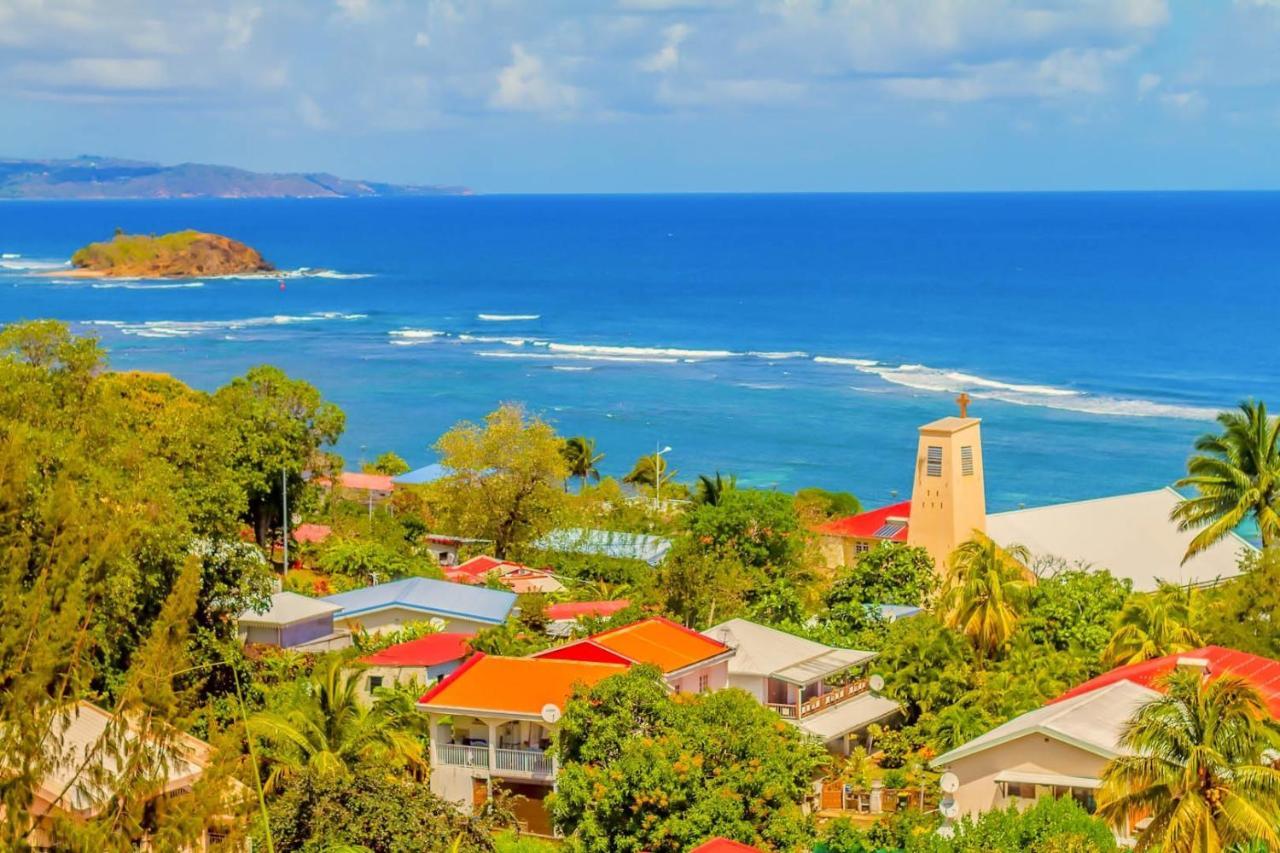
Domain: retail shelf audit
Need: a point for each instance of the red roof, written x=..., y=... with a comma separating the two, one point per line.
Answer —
x=578, y=609
x=431, y=650
x=1263, y=673
x=478, y=567
x=372, y=482
x=668, y=645
x=722, y=845
x=311, y=533
x=866, y=525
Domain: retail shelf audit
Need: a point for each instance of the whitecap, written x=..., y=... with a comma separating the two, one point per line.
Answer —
x=507, y=318
x=580, y=356
x=641, y=352
x=416, y=334
x=491, y=339
x=779, y=356
x=9, y=256
x=187, y=328
x=126, y=286
x=20, y=264
x=571, y=368
x=849, y=362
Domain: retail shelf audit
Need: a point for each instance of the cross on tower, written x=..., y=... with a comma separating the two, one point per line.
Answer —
x=963, y=401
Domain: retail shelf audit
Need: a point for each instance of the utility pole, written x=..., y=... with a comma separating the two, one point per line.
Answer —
x=284, y=518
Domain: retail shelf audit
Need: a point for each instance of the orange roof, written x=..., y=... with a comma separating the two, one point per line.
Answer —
x=661, y=642
x=517, y=686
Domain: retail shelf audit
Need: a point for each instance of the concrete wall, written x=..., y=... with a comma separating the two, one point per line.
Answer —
x=304, y=632
x=753, y=684
x=717, y=678
x=394, y=618
x=425, y=676
x=261, y=635
x=1033, y=753
x=948, y=507
x=454, y=785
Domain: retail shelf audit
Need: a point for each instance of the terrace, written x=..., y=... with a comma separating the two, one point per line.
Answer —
x=514, y=749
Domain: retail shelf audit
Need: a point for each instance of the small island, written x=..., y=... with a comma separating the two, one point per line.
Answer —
x=182, y=254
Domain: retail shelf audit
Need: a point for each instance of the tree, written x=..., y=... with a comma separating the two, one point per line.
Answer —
x=827, y=504
x=699, y=587
x=926, y=665
x=371, y=562
x=1153, y=625
x=986, y=592
x=319, y=727
x=1244, y=612
x=641, y=770
x=505, y=480
x=1076, y=609
x=650, y=470
x=1236, y=475
x=1049, y=825
x=369, y=810
x=759, y=528
x=279, y=424
x=712, y=489
x=581, y=457
x=1199, y=764
x=390, y=463
x=887, y=574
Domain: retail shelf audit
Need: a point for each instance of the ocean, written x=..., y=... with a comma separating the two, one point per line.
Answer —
x=791, y=340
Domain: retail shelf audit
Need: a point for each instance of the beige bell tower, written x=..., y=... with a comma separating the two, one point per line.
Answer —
x=948, y=499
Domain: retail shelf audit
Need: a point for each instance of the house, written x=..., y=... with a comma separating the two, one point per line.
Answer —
x=821, y=689
x=390, y=606
x=562, y=618
x=516, y=577
x=445, y=548
x=1062, y=748
x=1130, y=535
x=421, y=476
x=88, y=744
x=311, y=534
x=491, y=724
x=294, y=621
x=607, y=543
x=425, y=660
x=690, y=662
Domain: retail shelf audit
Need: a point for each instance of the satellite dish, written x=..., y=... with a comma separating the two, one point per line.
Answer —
x=950, y=783
x=550, y=713
x=876, y=682
x=949, y=809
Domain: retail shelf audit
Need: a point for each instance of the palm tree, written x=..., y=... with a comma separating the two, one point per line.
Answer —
x=325, y=729
x=1236, y=475
x=580, y=454
x=985, y=592
x=1197, y=768
x=712, y=490
x=647, y=472
x=1152, y=625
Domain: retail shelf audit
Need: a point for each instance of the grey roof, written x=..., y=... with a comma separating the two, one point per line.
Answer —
x=287, y=608
x=1091, y=721
x=606, y=543
x=764, y=651
x=429, y=596
x=847, y=716
x=1130, y=535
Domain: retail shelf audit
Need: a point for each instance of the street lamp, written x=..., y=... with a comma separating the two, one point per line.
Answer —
x=657, y=474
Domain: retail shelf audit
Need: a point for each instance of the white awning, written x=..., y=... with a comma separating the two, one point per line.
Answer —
x=823, y=665
x=1022, y=777
x=848, y=716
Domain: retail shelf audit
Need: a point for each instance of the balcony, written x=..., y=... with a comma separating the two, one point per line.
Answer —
x=526, y=763
x=822, y=702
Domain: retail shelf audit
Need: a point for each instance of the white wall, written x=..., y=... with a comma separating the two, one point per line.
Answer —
x=717, y=678
x=394, y=618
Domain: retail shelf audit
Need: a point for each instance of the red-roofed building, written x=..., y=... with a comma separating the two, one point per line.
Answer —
x=425, y=660
x=563, y=617
x=514, y=576
x=1262, y=673
x=842, y=539
x=720, y=844
x=691, y=662
x=305, y=534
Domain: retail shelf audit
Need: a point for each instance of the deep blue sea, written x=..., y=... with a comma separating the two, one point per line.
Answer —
x=792, y=340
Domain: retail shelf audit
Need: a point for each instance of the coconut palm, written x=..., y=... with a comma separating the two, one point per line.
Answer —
x=1152, y=625
x=1196, y=767
x=580, y=454
x=712, y=490
x=324, y=728
x=1236, y=475
x=648, y=471
x=985, y=592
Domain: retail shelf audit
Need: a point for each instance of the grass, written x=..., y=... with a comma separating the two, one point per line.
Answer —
x=130, y=249
x=509, y=842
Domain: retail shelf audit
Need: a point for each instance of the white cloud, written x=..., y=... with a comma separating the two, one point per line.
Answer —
x=525, y=85
x=1147, y=84
x=355, y=10
x=311, y=114
x=94, y=73
x=240, y=24
x=1065, y=72
x=668, y=56
x=1188, y=102
x=422, y=39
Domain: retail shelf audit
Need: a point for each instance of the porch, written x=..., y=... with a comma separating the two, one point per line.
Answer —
x=517, y=749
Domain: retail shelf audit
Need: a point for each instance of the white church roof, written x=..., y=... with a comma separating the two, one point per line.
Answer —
x=1130, y=535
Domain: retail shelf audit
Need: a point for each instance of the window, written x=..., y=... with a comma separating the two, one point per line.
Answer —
x=861, y=547
x=966, y=461
x=375, y=681
x=933, y=462
x=704, y=683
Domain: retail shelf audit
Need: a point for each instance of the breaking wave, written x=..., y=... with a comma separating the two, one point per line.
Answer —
x=507, y=318
x=640, y=353
x=185, y=285
x=632, y=359
x=195, y=328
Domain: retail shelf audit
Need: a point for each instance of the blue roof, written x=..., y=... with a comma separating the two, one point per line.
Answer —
x=420, y=476
x=431, y=597
x=607, y=543
x=891, y=612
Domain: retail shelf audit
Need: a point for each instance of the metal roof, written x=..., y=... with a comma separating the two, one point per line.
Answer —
x=825, y=664
x=421, y=476
x=607, y=543
x=848, y=716
x=287, y=608
x=761, y=650
x=430, y=596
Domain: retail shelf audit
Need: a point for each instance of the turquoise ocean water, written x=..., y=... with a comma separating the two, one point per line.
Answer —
x=792, y=340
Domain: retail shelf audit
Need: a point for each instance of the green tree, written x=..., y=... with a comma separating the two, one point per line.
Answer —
x=887, y=574
x=1050, y=825
x=758, y=528
x=986, y=592
x=1244, y=612
x=926, y=665
x=651, y=471
x=580, y=456
x=278, y=425
x=320, y=727
x=1236, y=475
x=711, y=490
x=505, y=480
x=390, y=463
x=699, y=587
x=1199, y=764
x=1076, y=609
x=1153, y=625
x=372, y=562
x=826, y=504
x=642, y=770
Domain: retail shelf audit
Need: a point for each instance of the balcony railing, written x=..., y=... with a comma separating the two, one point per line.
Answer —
x=817, y=704
x=530, y=762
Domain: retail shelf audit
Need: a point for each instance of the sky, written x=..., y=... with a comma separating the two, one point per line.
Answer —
x=660, y=95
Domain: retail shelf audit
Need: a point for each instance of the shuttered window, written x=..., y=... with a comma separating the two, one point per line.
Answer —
x=933, y=462
x=966, y=460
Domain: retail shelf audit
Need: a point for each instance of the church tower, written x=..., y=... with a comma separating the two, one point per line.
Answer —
x=948, y=499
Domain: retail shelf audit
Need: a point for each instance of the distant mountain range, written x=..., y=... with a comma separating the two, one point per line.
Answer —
x=89, y=177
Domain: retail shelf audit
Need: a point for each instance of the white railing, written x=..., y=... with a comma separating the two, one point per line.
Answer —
x=462, y=756
x=532, y=761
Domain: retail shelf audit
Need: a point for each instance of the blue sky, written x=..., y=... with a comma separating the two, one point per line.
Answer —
x=660, y=95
